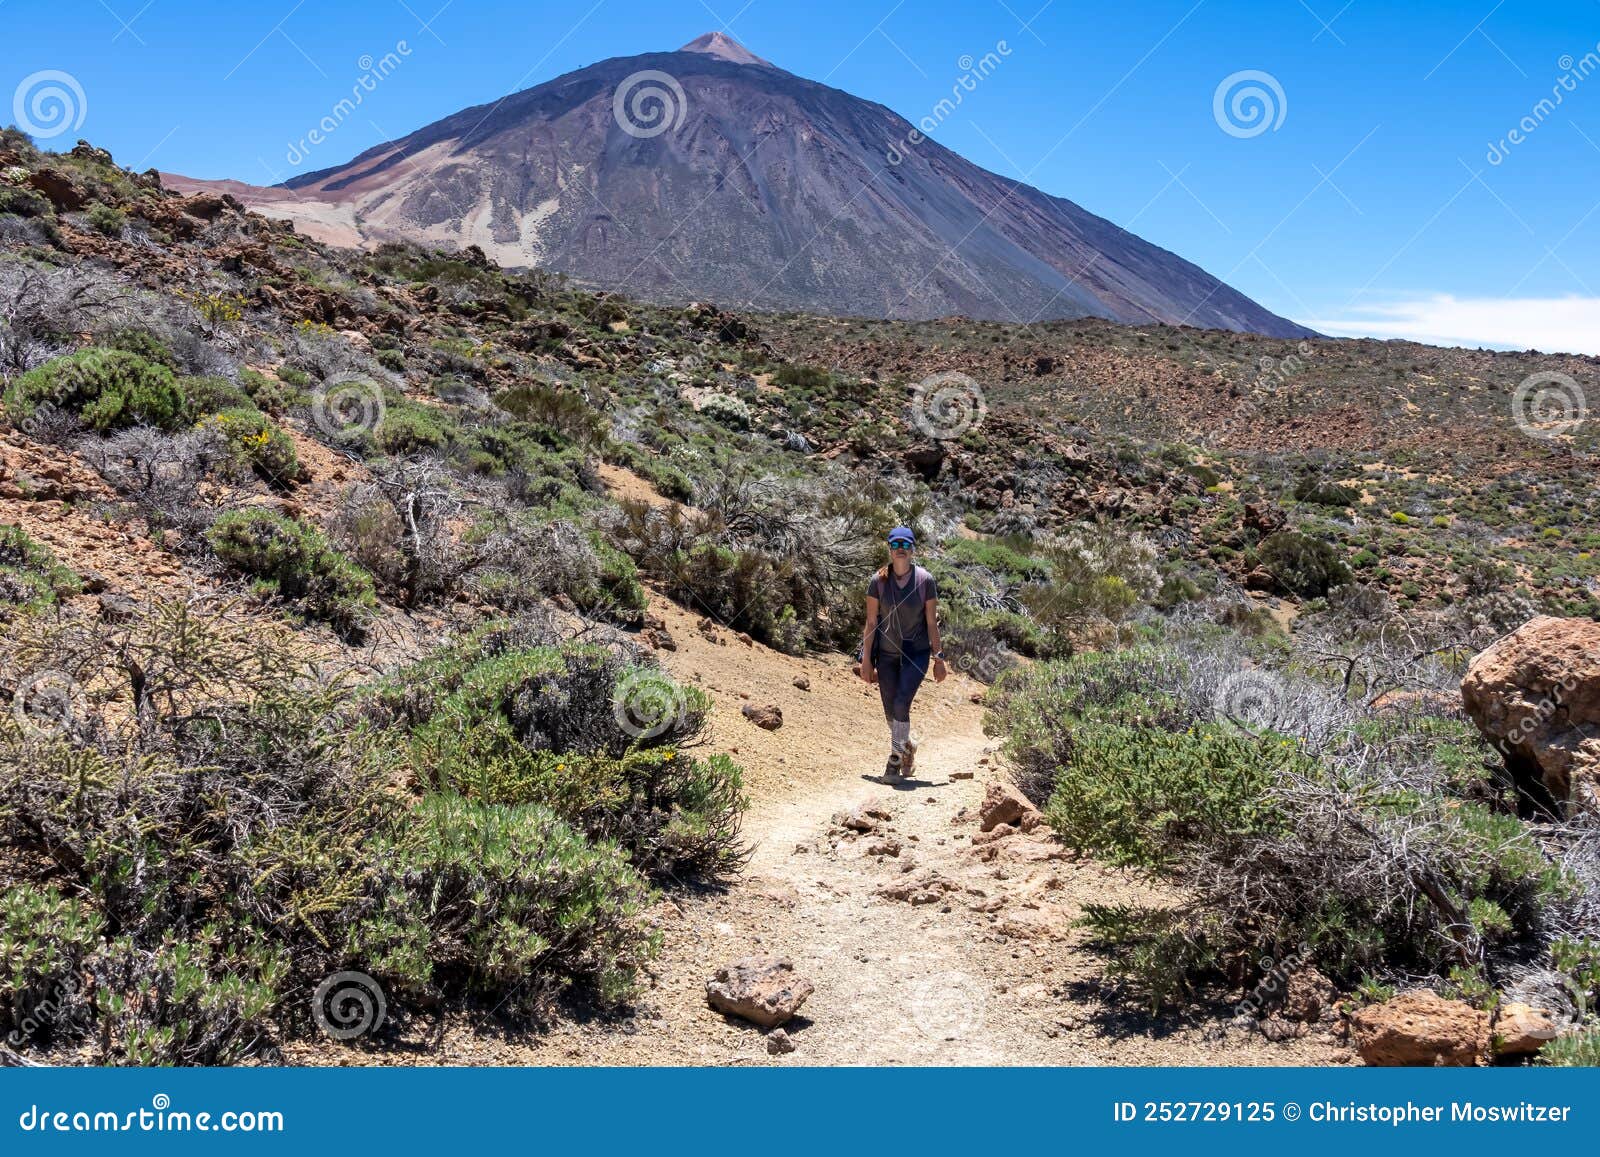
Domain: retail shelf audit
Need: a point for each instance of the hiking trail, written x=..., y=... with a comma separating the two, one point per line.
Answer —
x=985, y=968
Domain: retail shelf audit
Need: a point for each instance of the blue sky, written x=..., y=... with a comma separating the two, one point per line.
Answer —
x=1371, y=204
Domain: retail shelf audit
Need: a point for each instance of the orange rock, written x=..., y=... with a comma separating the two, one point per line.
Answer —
x=1535, y=695
x=763, y=989
x=1003, y=804
x=1521, y=1030
x=1421, y=1028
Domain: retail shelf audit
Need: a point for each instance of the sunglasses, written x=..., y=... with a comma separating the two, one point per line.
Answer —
x=900, y=544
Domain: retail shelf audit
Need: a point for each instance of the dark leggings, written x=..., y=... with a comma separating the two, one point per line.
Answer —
x=899, y=676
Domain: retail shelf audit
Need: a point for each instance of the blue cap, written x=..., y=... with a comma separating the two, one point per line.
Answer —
x=902, y=532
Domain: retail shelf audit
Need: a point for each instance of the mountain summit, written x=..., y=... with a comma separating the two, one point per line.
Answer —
x=723, y=48
x=711, y=173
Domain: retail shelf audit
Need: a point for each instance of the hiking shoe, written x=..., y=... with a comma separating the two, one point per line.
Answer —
x=891, y=770
x=908, y=758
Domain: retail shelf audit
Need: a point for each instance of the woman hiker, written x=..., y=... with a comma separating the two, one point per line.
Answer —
x=901, y=636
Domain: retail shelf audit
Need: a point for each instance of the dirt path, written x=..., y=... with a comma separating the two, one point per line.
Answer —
x=977, y=960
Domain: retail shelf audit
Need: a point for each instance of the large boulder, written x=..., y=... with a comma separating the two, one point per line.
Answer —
x=1421, y=1028
x=763, y=989
x=1535, y=695
x=60, y=189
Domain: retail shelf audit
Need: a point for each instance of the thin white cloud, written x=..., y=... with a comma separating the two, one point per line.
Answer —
x=1551, y=325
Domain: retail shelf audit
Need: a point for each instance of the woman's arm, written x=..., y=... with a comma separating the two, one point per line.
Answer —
x=867, y=635
x=931, y=610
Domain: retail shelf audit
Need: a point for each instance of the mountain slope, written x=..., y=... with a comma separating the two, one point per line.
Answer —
x=725, y=177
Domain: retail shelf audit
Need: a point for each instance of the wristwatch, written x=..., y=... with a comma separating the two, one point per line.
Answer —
x=939, y=655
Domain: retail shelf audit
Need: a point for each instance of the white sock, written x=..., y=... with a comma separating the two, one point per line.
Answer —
x=899, y=731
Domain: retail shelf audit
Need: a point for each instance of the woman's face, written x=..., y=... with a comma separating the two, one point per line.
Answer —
x=900, y=550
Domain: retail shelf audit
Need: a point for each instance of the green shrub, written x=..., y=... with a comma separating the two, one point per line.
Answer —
x=673, y=814
x=30, y=576
x=201, y=1000
x=530, y=452
x=290, y=559
x=1572, y=1050
x=106, y=220
x=1155, y=951
x=727, y=409
x=1312, y=488
x=45, y=941
x=1011, y=561
x=263, y=847
x=266, y=394
x=804, y=377
x=577, y=731
x=1099, y=573
x=1136, y=795
x=207, y=395
x=409, y=428
x=620, y=590
x=516, y=903
x=1283, y=842
x=669, y=481
x=561, y=410
x=258, y=817
x=775, y=597
x=24, y=202
x=142, y=342
x=107, y=389
x=977, y=641
x=257, y=442
x=1302, y=565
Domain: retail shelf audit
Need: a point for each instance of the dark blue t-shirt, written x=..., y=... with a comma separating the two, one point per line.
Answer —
x=902, y=613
